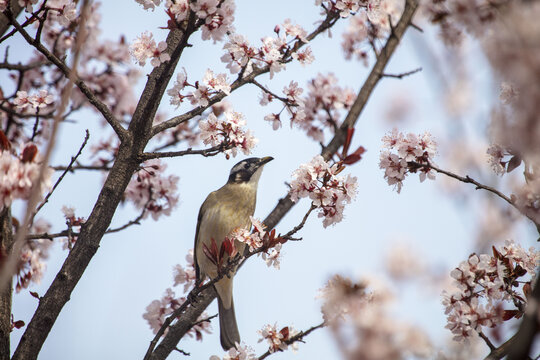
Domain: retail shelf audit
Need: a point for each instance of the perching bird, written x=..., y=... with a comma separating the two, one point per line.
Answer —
x=223, y=211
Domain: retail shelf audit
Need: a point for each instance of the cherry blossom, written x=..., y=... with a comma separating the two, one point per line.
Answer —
x=227, y=131
x=240, y=352
x=403, y=154
x=64, y=11
x=484, y=284
x=185, y=275
x=37, y=101
x=144, y=47
x=18, y=175
x=152, y=191
x=149, y=4
x=361, y=321
x=179, y=8
x=158, y=310
x=495, y=156
x=32, y=262
x=277, y=340
x=217, y=82
x=328, y=191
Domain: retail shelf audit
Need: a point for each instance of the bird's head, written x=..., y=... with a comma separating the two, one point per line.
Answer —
x=248, y=170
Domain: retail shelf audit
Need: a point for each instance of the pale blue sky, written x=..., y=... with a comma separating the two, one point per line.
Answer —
x=104, y=320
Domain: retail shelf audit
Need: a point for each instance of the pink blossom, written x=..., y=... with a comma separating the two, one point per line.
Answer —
x=327, y=191
x=274, y=119
x=152, y=191
x=41, y=100
x=403, y=154
x=176, y=91
x=240, y=352
x=144, y=47
x=217, y=82
x=180, y=8
x=185, y=275
x=346, y=7
x=495, y=156
x=22, y=100
x=296, y=31
x=227, y=131
x=149, y=4
x=304, y=56
x=277, y=339
x=272, y=257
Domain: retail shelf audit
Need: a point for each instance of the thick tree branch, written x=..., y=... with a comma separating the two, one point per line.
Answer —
x=4, y=21
x=285, y=203
x=6, y=293
x=179, y=328
x=133, y=142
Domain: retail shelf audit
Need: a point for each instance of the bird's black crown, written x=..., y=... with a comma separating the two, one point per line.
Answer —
x=244, y=170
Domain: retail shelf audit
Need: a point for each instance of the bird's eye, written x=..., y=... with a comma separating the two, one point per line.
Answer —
x=246, y=165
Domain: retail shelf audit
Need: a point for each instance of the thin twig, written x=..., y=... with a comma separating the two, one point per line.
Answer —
x=204, y=152
x=73, y=159
x=69, y=73
x=289, y=235
x=402, y=75
x=487, y=341
x=136, y=221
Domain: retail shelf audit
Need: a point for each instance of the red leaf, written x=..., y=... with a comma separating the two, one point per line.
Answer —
x=211, y=252
x=34, y=294
x=514, y=162
x=4, y=142
x=29, y=153
x=509, y=314
x=285, y=333
x=228, y=247
x=354, y=157
x=496, y=253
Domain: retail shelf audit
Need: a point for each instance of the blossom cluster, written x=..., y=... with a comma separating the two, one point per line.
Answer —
x=227, y=131
x=277, y=339
x=218, y=15
x=318, y=109
x=200, y=96
x=369, y=25
x=239, y=352
x=158, y=310
x=328, y=192
x=152, y=191
x=74, y=225
x=404, y=154
x=19, y=174
x=274, y=51
x=484, y=283
x=258, y=238
x=32, y=259
x=144, y=48
x=36, y=101
x=364, y=326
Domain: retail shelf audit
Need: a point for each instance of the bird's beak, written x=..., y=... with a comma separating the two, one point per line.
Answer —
x=265, y=159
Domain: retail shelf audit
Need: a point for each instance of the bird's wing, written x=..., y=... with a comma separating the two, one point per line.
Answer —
x=210, y=200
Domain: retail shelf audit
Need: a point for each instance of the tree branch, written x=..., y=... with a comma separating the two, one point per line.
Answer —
x=68, y=73
x=179, y=328
x=73, y=159
x=177, y=120
x=92, y=231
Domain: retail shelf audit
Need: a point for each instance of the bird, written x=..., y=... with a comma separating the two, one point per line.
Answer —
x=225, y=210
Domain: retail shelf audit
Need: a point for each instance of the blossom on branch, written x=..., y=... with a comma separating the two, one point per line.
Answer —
x=152, y=191
x=144, y=47
x=484, y=284
x=240, y=352
x=227, y=131
x=329, y=192
x=277, y=340
x=19, y=174
x=404, y=154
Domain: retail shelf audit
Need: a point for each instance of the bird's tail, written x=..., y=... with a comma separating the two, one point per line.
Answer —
x=229, y=334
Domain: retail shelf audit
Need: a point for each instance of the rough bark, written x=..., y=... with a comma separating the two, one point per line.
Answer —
x=6, y=241
x=100, y=218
